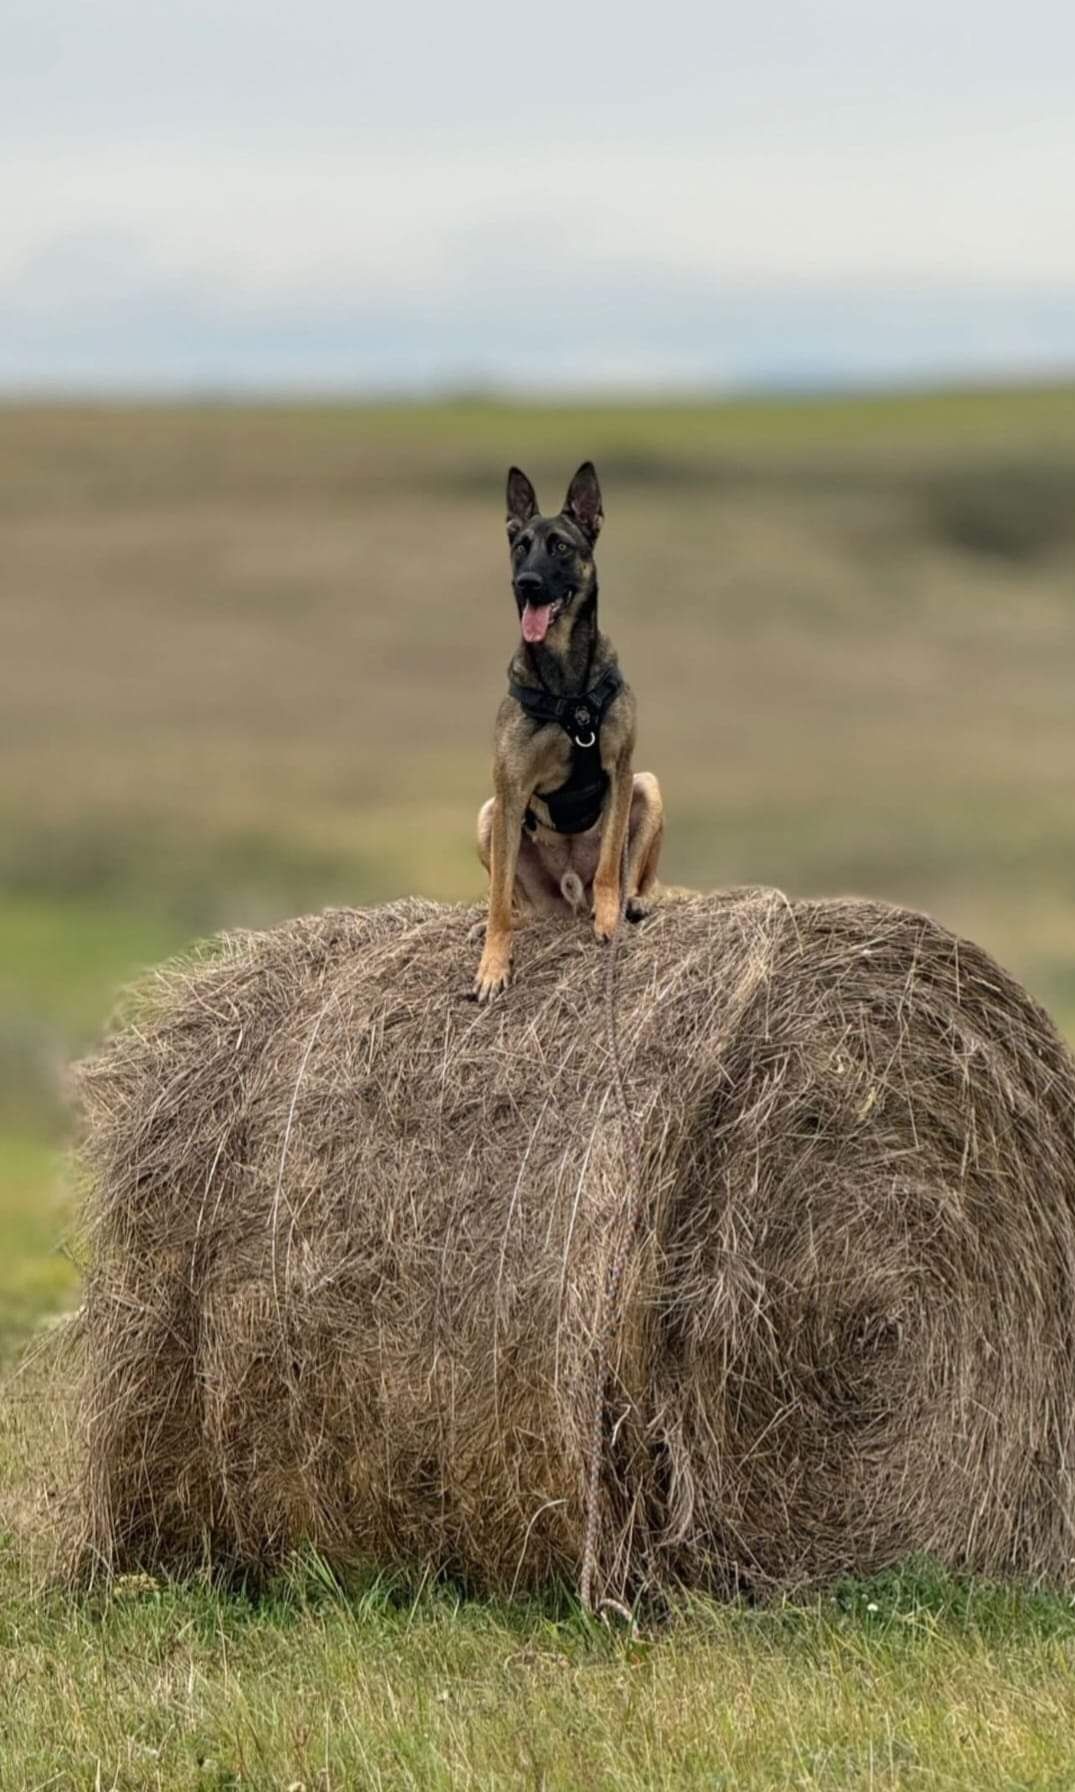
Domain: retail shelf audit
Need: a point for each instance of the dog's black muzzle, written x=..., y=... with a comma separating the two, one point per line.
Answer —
x=530, y=589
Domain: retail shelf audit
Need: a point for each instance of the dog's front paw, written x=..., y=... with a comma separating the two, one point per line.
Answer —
x=636, y=909
x=606, y=913
x=494, y=971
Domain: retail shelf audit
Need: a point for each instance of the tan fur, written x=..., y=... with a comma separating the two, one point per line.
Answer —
x=540, y=869
x=526, y=872
x=546, y=858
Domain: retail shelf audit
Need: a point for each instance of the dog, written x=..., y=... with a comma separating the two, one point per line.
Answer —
x=565, y=798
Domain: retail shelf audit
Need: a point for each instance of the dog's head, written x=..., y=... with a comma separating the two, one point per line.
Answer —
x=552, y=567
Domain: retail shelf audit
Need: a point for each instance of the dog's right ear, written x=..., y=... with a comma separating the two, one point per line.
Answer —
x=522, y=501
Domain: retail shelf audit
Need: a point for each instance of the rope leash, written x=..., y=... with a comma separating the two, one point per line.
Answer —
x=609, y=1315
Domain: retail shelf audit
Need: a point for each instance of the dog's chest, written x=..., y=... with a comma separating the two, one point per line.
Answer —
x=553, y=767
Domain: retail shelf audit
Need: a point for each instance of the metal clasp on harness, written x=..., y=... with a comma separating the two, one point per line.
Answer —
x=584, y=720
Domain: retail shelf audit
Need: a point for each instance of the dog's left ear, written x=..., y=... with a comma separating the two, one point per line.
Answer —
x=583, y=501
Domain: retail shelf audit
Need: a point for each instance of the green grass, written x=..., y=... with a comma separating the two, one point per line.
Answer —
x=36, y=1275
x=914, y=1680
x=251, y=659
x=64, y=959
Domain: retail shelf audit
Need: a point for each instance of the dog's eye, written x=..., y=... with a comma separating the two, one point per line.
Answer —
x=561, y=547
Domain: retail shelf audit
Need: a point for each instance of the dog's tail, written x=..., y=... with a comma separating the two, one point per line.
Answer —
x=571, y=890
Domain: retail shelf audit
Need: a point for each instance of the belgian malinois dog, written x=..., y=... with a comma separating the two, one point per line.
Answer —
x=565, y=796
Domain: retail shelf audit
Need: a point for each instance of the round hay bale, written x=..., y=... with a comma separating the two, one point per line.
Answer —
x=347, y=1233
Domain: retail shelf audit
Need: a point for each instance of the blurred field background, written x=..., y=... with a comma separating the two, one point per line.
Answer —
x=251, y=656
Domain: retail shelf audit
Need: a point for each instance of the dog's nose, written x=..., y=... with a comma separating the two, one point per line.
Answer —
x=528, y=584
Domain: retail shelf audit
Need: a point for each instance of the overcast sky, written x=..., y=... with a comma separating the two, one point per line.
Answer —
x=234, y=194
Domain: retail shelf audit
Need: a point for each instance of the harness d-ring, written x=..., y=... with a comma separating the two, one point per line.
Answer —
x=585, y=743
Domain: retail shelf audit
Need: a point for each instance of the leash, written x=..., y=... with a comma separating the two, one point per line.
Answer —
x=609, y=1314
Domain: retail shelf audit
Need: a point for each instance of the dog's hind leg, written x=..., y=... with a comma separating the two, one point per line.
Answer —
x=485, y=833
x=536, y=890
x=538, y=884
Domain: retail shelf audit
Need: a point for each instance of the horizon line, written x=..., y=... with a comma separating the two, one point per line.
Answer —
x=510, y=394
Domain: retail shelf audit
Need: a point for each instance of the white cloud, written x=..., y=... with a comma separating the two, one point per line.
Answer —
x=217, y=164
x=986, y=209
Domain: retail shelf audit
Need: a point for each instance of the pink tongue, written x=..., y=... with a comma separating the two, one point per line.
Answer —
x=536, y=621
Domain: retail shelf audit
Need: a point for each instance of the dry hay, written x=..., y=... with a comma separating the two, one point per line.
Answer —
x=346, y=1233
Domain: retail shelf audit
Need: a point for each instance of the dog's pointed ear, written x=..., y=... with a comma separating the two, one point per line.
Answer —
x=583, y=501
x=522, y=500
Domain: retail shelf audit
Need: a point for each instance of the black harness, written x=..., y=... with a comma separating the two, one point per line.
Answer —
x=579, y=801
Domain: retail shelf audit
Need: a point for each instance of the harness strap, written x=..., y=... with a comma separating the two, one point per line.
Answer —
x=573, y=808
x=578, y=803
x=578, y=715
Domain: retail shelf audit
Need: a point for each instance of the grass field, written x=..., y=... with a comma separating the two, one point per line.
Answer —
x=250, y=661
